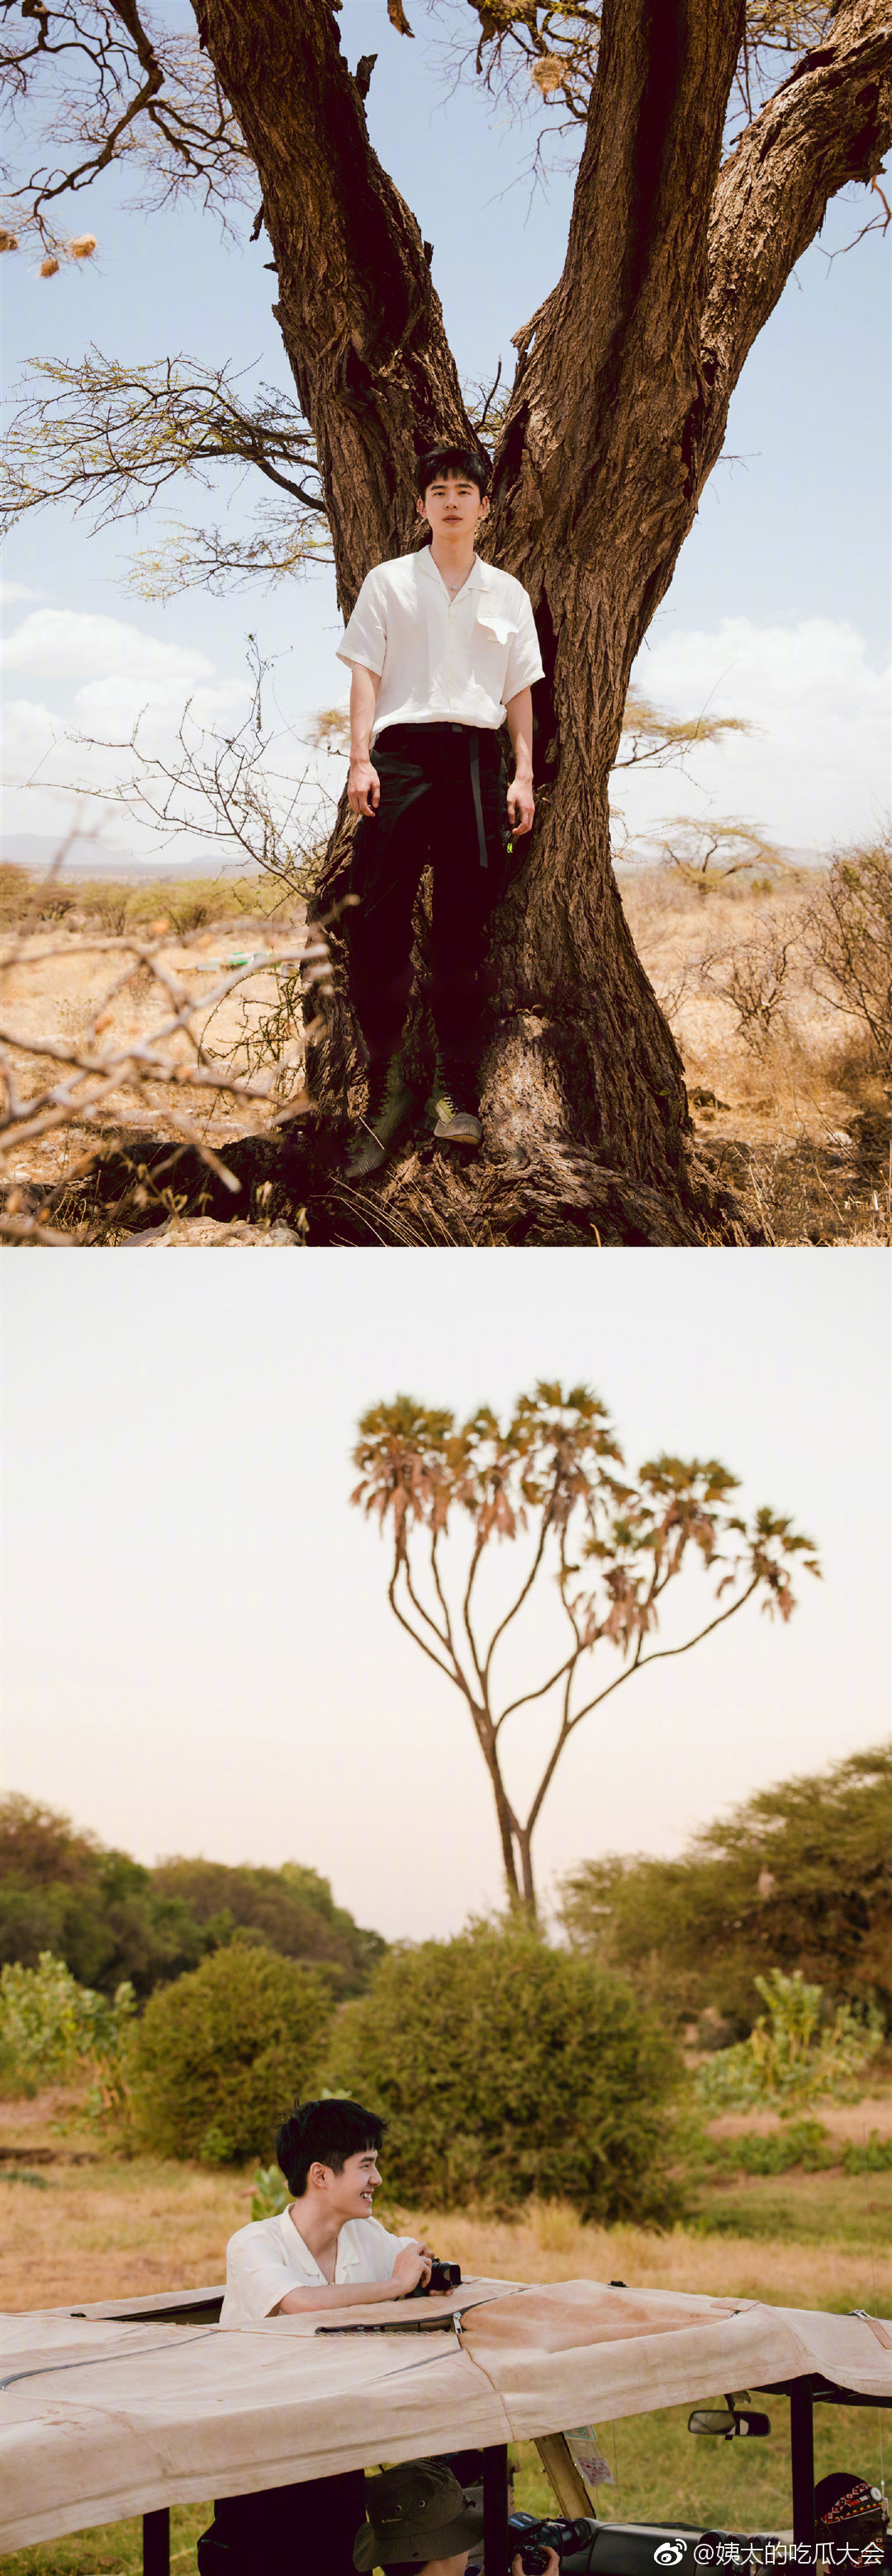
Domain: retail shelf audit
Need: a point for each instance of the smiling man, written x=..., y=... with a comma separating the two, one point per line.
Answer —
x=327, y=2244
x=325, y=2251
x=443, y=651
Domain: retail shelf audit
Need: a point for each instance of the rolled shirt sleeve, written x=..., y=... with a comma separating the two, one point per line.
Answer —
x=440, y=660
x=257, y=2277
x=365, y=635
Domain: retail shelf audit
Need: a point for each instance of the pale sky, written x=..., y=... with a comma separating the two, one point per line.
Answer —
x=199, y=1654
x=779, y=607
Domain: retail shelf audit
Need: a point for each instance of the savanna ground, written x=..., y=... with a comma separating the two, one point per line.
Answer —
x=79, y=2223
x=788, y=1105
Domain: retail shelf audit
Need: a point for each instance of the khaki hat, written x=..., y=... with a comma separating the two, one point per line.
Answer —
x=417, y=2511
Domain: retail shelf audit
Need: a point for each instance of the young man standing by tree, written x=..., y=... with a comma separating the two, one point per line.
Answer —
x=443, y=651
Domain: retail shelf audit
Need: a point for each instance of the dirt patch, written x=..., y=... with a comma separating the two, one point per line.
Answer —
x=852, y=2121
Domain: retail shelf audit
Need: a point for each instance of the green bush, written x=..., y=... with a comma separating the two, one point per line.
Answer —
x=505, y=2068
x=792, y=2056
x=867, y=2155
x=53, y=2030
x=801, y=2142
x=271, y=2192
x=219, y=2055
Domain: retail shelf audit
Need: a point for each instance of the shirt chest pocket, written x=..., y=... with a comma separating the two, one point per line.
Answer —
x=493, y=637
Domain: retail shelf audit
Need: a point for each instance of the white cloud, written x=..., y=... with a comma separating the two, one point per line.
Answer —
x=66, y=644
x=816, y=768
x=112, y=704
x=65, y=753
x=13, y=591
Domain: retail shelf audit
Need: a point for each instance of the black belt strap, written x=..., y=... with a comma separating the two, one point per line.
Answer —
x=475, y=787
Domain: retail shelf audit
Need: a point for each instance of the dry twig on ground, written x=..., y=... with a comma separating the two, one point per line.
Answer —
x=75, y=1081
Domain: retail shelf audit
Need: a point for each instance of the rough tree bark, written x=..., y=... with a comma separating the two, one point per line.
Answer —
x=618, y=414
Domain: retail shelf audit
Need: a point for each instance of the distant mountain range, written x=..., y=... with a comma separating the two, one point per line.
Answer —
x=85, y=858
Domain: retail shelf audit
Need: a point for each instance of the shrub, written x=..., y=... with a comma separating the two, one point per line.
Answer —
x=753, y=977
x=847, y=930
x=800, y=2142
x=271, y=2192
x=219, y=2055
x=803, y=2142
x=53, y=2030
x=505, y=2068
x=791, y=2058
x=867, y=2155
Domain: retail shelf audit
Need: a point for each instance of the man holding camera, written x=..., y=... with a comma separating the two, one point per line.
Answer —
x=325, y=2251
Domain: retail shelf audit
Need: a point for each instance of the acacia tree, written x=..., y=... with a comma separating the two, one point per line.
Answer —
x=554, y=1475
x=675, y=259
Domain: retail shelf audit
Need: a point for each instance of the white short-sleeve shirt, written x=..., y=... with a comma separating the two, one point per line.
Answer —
x=268, y=2258
x=440, y=660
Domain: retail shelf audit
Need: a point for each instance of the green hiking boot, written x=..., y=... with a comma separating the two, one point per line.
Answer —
x=390, y=1103
x=453, y=1105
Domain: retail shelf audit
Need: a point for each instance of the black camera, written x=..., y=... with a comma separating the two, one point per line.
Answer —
x=534, y=2540
x=444, y=2276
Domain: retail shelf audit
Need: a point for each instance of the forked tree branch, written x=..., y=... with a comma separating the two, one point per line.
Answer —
x=362, y=325
x=661, y=1653
x=828, y=125
x=413, y=1632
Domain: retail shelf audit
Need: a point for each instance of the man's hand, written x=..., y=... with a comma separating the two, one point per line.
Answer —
x=552, y=2568
x=363, y=787
x=411, y=2266
x=521, y=806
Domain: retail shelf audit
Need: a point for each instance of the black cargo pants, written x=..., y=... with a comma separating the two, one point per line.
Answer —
x=442, y=805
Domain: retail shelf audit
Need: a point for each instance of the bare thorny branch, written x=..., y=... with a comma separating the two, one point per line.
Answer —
x=223, y=786
x=111, y=438
x=76, y=1083
x=122, y=92
x=553, y=1470
x=544, y=53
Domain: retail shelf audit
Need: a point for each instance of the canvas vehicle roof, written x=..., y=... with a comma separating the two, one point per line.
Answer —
x=112, y=2413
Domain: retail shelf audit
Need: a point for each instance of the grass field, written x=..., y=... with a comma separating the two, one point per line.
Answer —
x=105, y=2228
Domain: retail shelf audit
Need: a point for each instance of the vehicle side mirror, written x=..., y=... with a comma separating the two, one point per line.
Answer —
x=728, y=2423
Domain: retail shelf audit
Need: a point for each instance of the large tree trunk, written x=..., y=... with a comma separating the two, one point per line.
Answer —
x=617, y=416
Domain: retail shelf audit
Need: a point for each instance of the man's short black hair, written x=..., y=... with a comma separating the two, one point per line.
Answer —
x=470, y=462
x=324, y=2133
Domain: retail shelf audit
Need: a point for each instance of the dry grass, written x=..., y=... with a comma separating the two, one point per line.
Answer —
x=104, y=2228
x=798, y=1119
x=795, y=1118
x=551, y=2244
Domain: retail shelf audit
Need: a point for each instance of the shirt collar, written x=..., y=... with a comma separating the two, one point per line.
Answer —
x=476, y=578
x=348, y=2255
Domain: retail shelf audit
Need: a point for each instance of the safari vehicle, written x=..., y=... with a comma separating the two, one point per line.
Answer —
x=120, y=2410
